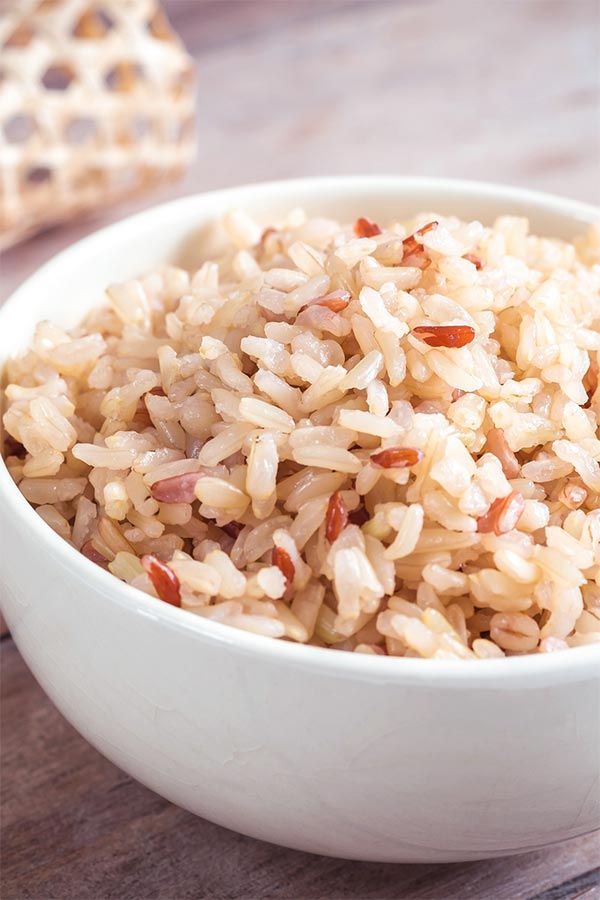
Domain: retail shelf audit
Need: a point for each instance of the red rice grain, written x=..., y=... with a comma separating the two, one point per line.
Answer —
x=363, y=228
x=413, y=243
x=397, y=458
x=178, y=489
x=503, y=514
x=336, y=517
x=497, y=444
x=445, y=335
x=336, y=301
x=470, y=257
x=165, y=581
x=281, y=558
x=89, y=551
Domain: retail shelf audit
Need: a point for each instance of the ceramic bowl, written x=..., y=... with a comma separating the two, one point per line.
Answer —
x=354, y=756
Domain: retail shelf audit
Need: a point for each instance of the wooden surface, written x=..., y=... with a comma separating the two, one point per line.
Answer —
x=506, y=91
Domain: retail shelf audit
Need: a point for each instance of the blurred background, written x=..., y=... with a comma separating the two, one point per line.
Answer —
x=506, y=91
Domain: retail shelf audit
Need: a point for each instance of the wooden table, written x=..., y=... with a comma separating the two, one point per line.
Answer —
x=508, y=92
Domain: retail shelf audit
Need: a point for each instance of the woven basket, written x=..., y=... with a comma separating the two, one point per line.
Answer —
x=96, y=104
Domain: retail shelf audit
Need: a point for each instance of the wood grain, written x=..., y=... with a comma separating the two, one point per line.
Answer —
x=505, y=92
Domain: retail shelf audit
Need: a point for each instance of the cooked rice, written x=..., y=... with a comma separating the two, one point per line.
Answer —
x=377, y=441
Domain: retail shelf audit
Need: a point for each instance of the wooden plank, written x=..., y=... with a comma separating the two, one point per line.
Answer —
x=74, y=826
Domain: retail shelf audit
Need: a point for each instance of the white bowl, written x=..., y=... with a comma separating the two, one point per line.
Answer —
x=342, y=754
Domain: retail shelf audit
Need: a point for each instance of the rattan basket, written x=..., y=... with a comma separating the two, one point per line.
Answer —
x=96, y=104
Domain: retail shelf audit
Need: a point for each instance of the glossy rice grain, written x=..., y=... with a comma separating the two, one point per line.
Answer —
x=379, y=437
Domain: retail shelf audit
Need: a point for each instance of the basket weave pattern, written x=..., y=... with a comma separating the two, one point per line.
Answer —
x=96, y=104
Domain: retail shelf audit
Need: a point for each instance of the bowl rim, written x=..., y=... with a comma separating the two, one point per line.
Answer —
x=576, y=662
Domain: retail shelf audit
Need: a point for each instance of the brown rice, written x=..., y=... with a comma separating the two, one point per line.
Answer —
x=382, y=440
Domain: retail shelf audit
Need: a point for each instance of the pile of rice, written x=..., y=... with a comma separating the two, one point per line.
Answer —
x=381, y=441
